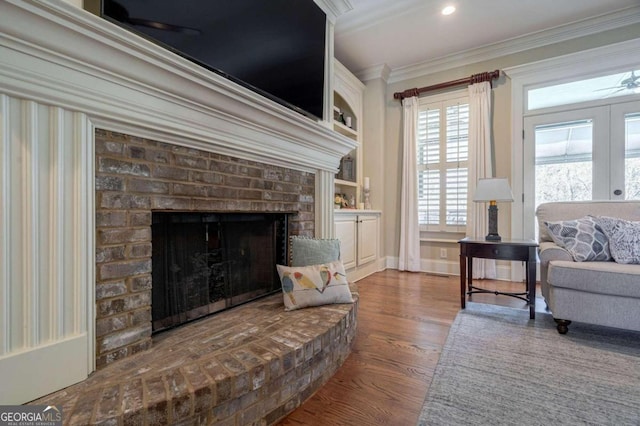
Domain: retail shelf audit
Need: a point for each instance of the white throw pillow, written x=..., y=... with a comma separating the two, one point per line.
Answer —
x=624, y=238
x=314, y=285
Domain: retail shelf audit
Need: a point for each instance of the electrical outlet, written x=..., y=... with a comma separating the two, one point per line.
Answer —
x=443, y=253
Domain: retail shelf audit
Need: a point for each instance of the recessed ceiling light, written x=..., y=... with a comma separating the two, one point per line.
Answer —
x=448, y=10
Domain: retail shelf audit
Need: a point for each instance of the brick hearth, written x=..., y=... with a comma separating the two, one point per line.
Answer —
x=135, y=176
x=250, y=365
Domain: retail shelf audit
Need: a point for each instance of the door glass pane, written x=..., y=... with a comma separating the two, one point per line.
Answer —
x=632, y=156
x=563, y=161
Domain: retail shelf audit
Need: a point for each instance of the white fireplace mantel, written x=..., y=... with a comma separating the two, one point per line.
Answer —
x=58, y=54
x=63, y=73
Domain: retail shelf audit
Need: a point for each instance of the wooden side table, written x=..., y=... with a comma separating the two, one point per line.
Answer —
x=517, y=250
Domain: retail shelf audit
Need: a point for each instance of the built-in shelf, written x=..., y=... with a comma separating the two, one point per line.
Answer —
x=347, y=121
x=347, y=131
x=346, y=183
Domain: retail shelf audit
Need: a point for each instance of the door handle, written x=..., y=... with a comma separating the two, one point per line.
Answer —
x=617, y=192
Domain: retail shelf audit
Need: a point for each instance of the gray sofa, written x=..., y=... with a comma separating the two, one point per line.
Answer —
x=595, y=292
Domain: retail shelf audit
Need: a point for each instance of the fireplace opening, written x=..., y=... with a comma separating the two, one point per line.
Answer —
x=203, y=263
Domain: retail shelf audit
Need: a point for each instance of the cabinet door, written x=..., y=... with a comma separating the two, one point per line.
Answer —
x=367, y=239
x=345, y=231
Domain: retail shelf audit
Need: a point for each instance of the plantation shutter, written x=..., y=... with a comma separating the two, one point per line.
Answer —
x=457, y=146
x=443, y=151
x=429, y=178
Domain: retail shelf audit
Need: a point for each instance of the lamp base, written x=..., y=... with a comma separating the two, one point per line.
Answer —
x=493, y=237
x=493, y=223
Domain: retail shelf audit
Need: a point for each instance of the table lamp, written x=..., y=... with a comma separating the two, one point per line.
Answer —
x=493, y=190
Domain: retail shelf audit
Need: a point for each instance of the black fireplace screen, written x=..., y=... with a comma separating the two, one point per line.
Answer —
x=203, y=263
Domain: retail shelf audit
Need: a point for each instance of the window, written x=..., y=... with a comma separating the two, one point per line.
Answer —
x=443, y=151
x=604, y=87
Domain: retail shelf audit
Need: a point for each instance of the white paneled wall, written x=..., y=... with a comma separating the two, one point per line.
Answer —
x=46, y=255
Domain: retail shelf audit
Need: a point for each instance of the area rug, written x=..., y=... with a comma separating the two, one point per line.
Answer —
x=498, y=367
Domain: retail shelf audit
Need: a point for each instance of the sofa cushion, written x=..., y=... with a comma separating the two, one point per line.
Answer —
x=624, y=238
x=596, y=277
x=583, y=238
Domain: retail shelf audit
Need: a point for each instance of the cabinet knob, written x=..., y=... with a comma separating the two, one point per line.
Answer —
x=617, y=192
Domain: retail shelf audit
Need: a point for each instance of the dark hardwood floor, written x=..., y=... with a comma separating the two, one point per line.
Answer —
x=403, y=321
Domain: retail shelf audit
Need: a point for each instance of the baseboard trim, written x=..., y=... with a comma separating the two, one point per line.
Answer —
x=448, y=267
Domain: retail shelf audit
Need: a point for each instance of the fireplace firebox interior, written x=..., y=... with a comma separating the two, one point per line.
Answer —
x=203, y=263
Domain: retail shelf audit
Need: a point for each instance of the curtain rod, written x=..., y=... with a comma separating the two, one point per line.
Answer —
x=475, y=78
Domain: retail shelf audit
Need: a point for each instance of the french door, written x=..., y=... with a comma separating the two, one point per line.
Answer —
x=581, y=154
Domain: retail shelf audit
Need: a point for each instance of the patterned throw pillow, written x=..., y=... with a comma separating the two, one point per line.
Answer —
x=624, y=238
x=313, y=251
x=582, y=238
x=314, y=285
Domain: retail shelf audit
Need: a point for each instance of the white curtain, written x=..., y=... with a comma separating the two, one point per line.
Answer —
x=480, y=166
x=409, y=257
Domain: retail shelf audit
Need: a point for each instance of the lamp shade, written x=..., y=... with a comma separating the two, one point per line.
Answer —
x=493, y=189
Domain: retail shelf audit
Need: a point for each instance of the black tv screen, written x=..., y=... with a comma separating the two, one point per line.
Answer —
x=274, y=47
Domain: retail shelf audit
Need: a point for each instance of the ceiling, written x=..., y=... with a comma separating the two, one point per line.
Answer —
x=410, y=33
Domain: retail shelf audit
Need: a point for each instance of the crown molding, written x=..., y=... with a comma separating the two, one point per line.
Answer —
x=610, y=21
x=334, y=8
x=382, y=71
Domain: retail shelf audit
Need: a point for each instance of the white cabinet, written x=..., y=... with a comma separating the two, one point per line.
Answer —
x=346, y=230
x=367, y=247
x=359, y=235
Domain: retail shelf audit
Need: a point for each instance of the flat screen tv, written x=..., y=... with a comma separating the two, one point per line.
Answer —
x=273, y=47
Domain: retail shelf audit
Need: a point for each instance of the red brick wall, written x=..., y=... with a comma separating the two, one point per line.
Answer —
x=135, y=176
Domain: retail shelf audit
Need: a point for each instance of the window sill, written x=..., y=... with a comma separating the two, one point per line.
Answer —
x=452, y=240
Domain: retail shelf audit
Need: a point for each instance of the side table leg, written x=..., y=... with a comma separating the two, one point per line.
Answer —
x=463, y=279
x=531, y=288
x=470, y=275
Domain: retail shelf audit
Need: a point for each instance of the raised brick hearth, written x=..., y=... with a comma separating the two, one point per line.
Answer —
x=135, y=176
x=250, y=365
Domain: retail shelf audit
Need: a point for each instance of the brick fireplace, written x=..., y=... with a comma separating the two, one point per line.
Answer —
x=99, y=129
x=135, y=176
